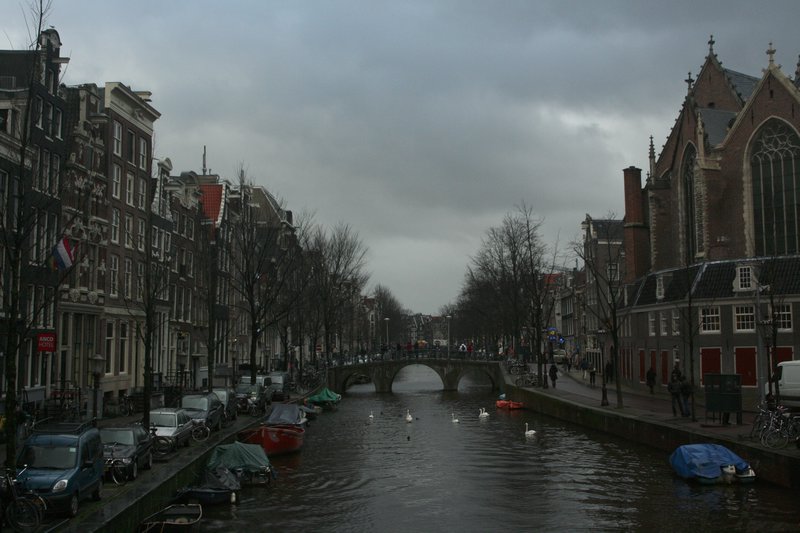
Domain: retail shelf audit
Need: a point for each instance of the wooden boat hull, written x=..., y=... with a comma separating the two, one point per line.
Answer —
x=179, y=517
x=275, y=440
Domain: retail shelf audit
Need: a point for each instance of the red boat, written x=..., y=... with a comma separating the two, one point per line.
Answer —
x=508, y=404
x=277, y=439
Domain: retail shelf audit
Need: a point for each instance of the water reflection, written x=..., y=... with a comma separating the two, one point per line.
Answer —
x=357, y=474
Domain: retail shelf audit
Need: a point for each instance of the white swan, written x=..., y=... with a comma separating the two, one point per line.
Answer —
x=482, y=413
x=455, y=420
x=371, y=416
x=529, y=432
x=408, y=416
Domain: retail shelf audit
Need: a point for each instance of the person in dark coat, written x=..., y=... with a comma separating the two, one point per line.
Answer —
x=651, y=379
x=686, y=392
x=553, y=374
x=674, y=389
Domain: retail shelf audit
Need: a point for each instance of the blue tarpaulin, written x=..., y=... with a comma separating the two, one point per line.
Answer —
x=704, y=460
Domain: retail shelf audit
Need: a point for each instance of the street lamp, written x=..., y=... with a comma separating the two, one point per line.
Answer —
x=386, y=320
x=604, y=398
x=448, y=317
x=98, y=365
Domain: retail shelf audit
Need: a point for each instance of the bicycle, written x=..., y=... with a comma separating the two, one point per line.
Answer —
x=527, y=380
x=161, y=445
x=200, y=432
x=25, y=510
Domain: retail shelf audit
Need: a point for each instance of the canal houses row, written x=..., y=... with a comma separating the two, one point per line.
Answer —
x=704, y=265
x=109, y=237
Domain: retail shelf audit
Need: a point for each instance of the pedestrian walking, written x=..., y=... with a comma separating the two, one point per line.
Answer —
x=592, y=374
x=674, y=389
x=676, y=371
x=651, y=378
x=553, y=374
x=584, y=366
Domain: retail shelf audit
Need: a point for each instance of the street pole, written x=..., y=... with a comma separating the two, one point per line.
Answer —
x=604, y=398
x=448, y=336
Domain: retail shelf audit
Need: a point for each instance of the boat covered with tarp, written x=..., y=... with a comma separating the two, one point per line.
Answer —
x=710, y=463
x=248, y=462
x=325, y=398
x=286, y=414
x=214, y=487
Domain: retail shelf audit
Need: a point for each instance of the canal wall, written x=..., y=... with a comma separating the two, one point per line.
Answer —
x=781, y=467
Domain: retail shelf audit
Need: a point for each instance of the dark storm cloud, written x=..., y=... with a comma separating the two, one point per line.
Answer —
x=419, y=123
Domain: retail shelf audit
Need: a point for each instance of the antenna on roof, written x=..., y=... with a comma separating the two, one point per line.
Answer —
x=204, y=160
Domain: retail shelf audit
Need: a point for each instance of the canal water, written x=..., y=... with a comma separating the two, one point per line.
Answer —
x=383, y=474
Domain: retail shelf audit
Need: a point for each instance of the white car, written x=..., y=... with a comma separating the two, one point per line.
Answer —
x=175, y=424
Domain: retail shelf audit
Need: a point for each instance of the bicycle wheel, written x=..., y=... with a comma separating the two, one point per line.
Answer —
x=119, y=474
x=520, y=382
x=200, y=433
x=161, y=446
x=23, y=515
x=776, y=438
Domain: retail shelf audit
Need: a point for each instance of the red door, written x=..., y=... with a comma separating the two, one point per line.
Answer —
x=746, y=365
x=664, y=364
x=710, y=362
x=782, y=353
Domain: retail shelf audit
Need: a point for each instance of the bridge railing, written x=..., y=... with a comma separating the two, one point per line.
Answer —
x=423, y=353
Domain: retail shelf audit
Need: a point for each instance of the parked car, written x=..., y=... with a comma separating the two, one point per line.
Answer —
x=228, y=399
x=279, y=389
x=205, y=408
x=64, y=464
x=133, y=444
x=173, y=423
x=251, y=398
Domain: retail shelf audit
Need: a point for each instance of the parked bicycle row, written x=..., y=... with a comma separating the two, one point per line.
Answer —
x=776, y=426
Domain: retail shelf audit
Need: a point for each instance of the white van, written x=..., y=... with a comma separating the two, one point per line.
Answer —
x=788, y=377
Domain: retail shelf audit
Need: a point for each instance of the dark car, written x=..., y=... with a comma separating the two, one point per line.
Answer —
x=251, y=398
x=205, y=408
x=132, y=444
x=228, y=399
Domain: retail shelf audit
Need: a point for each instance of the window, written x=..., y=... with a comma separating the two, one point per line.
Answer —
x=190, y=229
x=189, y=264
x=744, y=318
x=48, y=119
x=131, y=148
x=709, y=320
x=140, y=281
x=123, y=346
x=55, y=174
x=116, y=181
x=117, y=134
x=692, y=204
x=129, y=184
x=143, y=154
x=140, y=235
x=115, y=225
x=744, y=278
x=128, y=231
x=113, y=270
x=127, y=283
x=782, y=315
x=676, y=322
x=57, y=129
x=659, y=287
x=38, y=110
x=44, y=170
x=141, y=193
x=663, y=321
x=109, y=345
x=651, y=324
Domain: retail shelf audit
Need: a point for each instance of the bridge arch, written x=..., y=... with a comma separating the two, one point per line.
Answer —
x=383, y=373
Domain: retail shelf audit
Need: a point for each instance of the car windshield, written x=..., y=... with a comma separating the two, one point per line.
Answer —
x=53, y=457
x=195, y=402
x=222, y=395
x=117, y=436
x=246, y=388
x=163, y=420
x=277, y=380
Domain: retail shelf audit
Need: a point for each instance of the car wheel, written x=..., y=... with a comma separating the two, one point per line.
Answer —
x=135, y=469
x=149, y=463
x=98, y=492
x=74, y=504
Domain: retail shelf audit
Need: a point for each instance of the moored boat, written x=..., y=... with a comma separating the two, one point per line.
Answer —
x=326, y=398
x=275, y=439
x=508, y=404
x=178, y=517
x=218, y=486
x=709, y=464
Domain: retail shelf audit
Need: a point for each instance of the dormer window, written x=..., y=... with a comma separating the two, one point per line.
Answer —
x=744, y=278
x=660, y=288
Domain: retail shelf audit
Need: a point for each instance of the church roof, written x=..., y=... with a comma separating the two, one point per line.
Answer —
x=742, y=83
x=716, y=123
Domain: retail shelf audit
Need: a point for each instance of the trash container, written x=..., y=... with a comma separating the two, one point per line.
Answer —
x=723, y=396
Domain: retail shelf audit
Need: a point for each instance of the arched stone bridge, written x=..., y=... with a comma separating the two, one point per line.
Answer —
x=382, y=373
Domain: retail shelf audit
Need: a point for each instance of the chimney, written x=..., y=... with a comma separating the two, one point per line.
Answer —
x=637, y=235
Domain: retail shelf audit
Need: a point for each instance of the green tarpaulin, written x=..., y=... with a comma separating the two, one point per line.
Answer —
x=249, y=457
x=325, y=395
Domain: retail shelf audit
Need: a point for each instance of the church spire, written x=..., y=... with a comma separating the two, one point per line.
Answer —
x=711, y=42
x=689, y=81
x=652, y=160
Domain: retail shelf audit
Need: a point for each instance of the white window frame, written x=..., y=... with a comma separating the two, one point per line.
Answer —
x=662, y=317
x=782, y=314
x=127, y=282
x=116, y=181
x=130, y=184
x=117, y=138
x=141, y=194
x=113, y=269
x=676, y=322
x=142, y=153
x=659, y=287
x=128, y=231
x=744, y=278
x=140, y=235
x=710, y=319
x=651, y=324
x=744, y=318
x=115, y=225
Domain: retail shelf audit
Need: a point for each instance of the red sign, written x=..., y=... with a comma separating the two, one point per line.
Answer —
x=46, y=342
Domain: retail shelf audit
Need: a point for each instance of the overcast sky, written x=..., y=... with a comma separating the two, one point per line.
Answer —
x=418, y=123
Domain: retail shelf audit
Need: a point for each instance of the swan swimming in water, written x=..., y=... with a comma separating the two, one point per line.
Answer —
x=482, y=413
x=371, y=416
x=455, y=420
x=529, y=432
x=408, y=416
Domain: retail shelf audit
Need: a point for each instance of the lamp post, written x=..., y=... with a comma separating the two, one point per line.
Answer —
x=604, y=398
x=386, y=320
x=448, y=317
x=98, y=365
